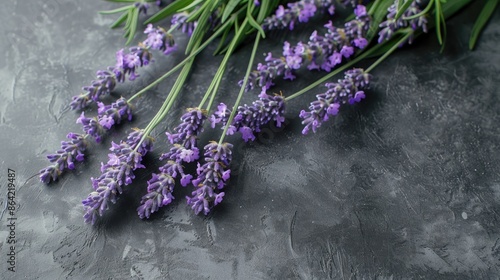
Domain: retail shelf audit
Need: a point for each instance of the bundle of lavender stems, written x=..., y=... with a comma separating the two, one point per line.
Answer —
x=374, y=28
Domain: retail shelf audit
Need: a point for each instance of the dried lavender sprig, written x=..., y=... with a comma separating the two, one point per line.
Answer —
x=212, y=177
x=391, y=24
x=249, y=119
x=118, y=171
x=65, y=157
x=349, y=90
x=321, y=52
x=161, y=185
x=126, y=65
x=300, y=11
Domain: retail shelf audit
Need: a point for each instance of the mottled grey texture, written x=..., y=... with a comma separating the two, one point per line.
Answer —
x=405, y=185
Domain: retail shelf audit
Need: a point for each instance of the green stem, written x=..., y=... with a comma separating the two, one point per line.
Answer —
x=242, y=89
x=425, y=11
x=390, y=51
x=179, y=65
x=214, y=85
x=169, y=101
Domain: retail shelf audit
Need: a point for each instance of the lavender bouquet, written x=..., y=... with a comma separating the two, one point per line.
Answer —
x=373, y=29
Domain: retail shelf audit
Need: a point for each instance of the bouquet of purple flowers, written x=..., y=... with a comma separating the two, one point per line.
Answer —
x=372, y=29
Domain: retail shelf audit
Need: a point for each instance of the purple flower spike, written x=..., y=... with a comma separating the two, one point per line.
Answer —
x=64, y=158
x=250, y=119
x=180, y=20
x=349, y=90
x=191, y=125
x=161, y=186
x=105, y=83
x=212, y=177
x=159, y=39
x=92, y=127
x=118, y=171
x=300, y=11
x=323, y=52
x=390, y=25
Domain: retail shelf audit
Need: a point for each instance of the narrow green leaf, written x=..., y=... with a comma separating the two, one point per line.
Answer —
x=403, y=8
x=119, y=21
x=122, y=9
x=168, y=10
x=192, y=5
x=133, y=26
x=378, y=16
x=481, y=21
x=201, y=27
x=222, y=42
x=438, y=13
x=443, y=22
x=228, y=10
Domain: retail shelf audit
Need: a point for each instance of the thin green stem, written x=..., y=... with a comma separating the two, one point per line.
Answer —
x=390, y=51
x=214, y=85
x=180, y=64
x=169, y=101
x=242, y=89
x=212, y=97
x=425, y=11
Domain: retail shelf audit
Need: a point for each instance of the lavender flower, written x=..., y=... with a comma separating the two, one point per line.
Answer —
x=212, y=177
x=180, y=20
x=159, y=39
x=349, y=90
x=126, y=65
x=161, y=185
x=118, y=171
x=321, y=52
x=392, y=24
x=64, y=158
x=108, y=115
x=250, y=119
x=300, y=11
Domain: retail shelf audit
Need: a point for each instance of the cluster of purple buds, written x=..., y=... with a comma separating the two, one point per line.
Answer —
x=161, y=185
x=159, y=39
x=107, y=116
x=391, y=24
x=180, y=21
x=348, y=90
x=118, y=171
x=300, y=11
x=126, y=65
x=65, y=157
x=249, y=119
x=212, y=177
x=321, y=52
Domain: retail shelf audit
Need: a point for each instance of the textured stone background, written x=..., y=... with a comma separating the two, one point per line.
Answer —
x=405, y=185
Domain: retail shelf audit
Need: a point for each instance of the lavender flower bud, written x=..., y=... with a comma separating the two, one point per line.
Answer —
x=159, y=39
x=118, y=171
x=161, y=186
x=249, y=119
x=349, y=90
x=390, y=25
x=300, y=11
x=212, y=177
x=191, y=125
x=180, y=20
x=321, y=52
x=64, y=158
